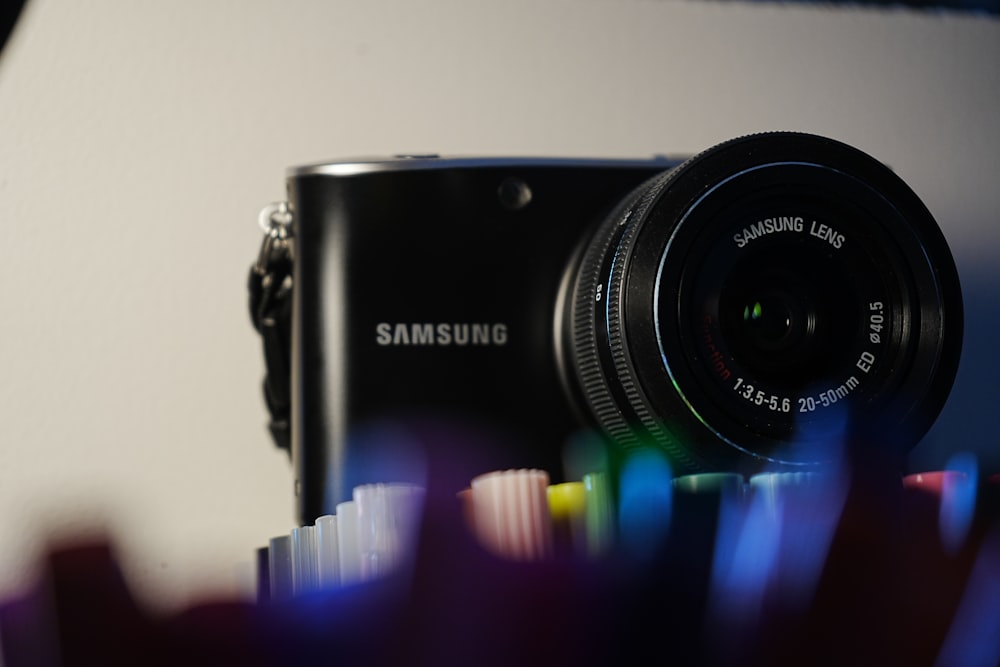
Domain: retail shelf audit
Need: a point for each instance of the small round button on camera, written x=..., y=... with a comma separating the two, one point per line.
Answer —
x=514, y=194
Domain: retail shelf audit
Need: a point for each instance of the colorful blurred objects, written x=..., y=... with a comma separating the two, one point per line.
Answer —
x=772, y=570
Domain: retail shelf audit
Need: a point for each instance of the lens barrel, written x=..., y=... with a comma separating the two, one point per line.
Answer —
x=767, y=302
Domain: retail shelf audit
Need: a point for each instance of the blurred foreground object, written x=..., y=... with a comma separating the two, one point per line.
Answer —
x=894, y=587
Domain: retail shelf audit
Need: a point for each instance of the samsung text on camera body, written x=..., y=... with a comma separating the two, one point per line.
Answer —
x=441, y=335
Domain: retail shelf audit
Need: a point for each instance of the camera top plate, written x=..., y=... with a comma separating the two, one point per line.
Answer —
x=421, y=162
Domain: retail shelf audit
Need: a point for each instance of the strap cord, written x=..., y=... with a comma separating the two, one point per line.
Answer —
x=270, y=292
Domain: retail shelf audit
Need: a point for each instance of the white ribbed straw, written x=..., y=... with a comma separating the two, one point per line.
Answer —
x=511, y=513
x=279, y=563
x=766, y=481
x=388, y=520
x=305, y=568
x=347, y=543
x=779, y=487
x=326, y=548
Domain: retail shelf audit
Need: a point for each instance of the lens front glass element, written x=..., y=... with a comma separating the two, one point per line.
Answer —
x=780, y=310
x=770, y=324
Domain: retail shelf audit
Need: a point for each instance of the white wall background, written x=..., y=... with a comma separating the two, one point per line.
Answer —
x=138, y=140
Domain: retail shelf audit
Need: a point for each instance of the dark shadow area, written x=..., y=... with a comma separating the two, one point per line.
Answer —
x=9, y=13
x=991, y=7
x=970, y=420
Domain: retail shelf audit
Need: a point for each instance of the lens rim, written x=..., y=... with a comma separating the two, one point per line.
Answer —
x=636, y=252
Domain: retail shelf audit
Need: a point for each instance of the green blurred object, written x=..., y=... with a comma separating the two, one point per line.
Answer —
x=599, y=514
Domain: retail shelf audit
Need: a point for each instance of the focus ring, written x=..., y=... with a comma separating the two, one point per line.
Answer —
x=599, y=346
x=587, y=360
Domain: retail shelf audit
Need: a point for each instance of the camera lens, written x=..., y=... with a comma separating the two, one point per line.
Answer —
x=772, y=322
x=773, y=325
x=767, y=297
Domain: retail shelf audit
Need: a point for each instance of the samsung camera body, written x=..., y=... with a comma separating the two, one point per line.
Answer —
x=738, y=310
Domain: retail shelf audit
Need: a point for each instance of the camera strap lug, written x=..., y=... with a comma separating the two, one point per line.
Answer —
x=270, y=288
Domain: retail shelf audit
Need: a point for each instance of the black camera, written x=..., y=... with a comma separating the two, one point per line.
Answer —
x=743, y=309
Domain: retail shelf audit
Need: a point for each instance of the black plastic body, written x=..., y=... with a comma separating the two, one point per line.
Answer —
x=381, y=247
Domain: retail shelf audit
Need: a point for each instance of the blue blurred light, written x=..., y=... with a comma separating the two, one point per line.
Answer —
x=775, y=542
x=746, y=553
x=958, y=501
x=809, y=507
x=645, y=503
